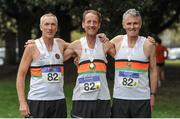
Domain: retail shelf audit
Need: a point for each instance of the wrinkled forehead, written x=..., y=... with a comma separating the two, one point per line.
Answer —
x=91, y=16
x=48, y=19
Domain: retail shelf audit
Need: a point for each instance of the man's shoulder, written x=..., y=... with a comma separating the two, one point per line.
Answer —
x=149, y=46
x=120, y=37
x=59, y=40
x=117, y=38
x=76, y=42
x=31, y=45
x=148, y=42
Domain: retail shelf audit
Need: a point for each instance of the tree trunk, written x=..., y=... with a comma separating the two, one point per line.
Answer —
x=10, y=39
x=24, y=33
x=65, y=26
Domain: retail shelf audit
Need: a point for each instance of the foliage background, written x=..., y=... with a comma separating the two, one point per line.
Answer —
x=19, y=19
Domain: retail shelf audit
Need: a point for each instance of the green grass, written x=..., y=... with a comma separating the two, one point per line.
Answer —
x=8, y=98
x=167, y=101
x=173, y=62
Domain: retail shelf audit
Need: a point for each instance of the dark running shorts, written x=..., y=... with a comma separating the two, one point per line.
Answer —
x=131, y=108
x=91, y=109
x=48, y=109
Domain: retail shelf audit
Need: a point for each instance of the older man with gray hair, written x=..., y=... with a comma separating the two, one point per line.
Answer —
x=44, y=58
x=134, y=91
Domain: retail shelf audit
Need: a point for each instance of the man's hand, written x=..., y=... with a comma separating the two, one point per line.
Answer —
x=102, y=37
x=24, y=109
x=152, y=102
x=30, y=41
x=151, y=39
x=76, y=60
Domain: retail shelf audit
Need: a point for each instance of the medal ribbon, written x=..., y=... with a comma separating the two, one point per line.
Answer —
x=129, y=51
x=48, y=54
x=90, y=52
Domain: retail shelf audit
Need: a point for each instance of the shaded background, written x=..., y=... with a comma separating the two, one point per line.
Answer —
x=19, y=20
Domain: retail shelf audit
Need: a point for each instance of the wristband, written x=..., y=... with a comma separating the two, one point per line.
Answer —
x=153, y=94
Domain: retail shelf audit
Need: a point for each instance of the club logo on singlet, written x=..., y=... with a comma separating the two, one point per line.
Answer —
x=57, y=56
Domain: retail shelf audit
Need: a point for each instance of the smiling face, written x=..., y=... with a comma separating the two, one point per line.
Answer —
x=132, y=25
x=91, y=24
x=48, y=26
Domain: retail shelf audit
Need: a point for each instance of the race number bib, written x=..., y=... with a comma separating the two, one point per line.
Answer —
x=52, y=74
x=89, y=83
x=129, y=79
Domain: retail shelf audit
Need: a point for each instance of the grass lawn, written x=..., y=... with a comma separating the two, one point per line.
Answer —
x=173, y=62
x=167, y=99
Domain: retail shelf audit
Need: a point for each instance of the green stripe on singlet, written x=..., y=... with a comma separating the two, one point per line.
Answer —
x=36, y=76
x=129, y=69
x=91, y=72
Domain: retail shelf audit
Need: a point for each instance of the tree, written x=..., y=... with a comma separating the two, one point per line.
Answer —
x=157, y=15
x=27, y=14
x=8, y=33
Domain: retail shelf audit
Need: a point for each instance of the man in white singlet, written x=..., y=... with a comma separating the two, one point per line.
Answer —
x=91, y=97
x=135, y=80
x=45, y=58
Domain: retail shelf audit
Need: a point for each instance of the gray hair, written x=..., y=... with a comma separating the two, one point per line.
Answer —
x=131, y=12
x=48, y=15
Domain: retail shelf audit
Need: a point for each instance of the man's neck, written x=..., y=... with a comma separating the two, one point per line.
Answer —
x=132, y=41
x=48, y=42
x=91, y=40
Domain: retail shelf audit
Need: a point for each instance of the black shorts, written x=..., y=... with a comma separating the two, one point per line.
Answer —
x=48, y=109
x=131, y=108
x=91, y=109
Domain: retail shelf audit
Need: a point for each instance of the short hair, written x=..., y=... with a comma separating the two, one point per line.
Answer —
x=131, y=12
x=98, y=14
x=48, y=15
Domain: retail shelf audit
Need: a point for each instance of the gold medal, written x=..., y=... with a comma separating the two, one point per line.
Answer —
x=128, y=64
x=92, y=66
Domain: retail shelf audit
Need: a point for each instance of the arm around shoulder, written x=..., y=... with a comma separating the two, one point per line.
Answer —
x=70, y=50
x=110, y=48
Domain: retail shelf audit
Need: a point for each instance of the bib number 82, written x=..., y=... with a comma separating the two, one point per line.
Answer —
x=89, y=86
x=127, y=82
x=52, y=77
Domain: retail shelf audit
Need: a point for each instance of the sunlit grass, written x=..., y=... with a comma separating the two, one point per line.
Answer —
x=173, y=62
x=75, y=35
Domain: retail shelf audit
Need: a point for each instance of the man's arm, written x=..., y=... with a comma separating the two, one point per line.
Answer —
x=65, y=44
x=70, y=50
x=109, y=48
x=20, y=81
x=107, y=45
x=153, y=76
x=150, y=52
